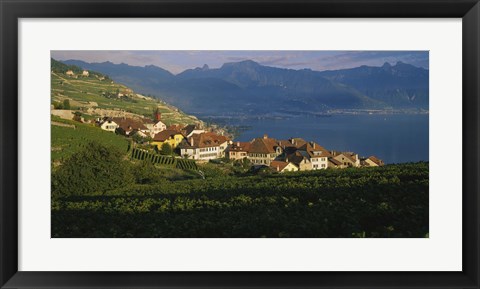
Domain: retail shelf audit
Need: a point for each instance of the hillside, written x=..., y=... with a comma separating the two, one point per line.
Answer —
x=400, y=85
x=248, y=87
x=68, y=137
x=97, y=95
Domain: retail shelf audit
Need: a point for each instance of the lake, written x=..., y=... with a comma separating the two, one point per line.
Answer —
x=395, y=138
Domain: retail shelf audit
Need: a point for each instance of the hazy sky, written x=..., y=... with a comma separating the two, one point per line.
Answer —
x=178, y=60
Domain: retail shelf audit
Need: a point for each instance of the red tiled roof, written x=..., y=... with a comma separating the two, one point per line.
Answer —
x=164, y=135
x=310, y=148
x=335, y=162
x=240, y=146
x=349, y=155
x=376, y=160
x=263, y=145
x=176, y=127
x=297, y=141
x=148, y=121
x=203, y=140
x=129, y=124
x=295, y=158
x=278, y=165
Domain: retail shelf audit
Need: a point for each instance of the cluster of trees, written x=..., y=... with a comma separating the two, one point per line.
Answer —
x=62, y=105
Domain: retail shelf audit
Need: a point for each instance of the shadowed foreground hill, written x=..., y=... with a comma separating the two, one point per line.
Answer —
x=390, y=201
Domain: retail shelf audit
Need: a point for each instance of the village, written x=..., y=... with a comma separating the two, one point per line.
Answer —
x=194, y=143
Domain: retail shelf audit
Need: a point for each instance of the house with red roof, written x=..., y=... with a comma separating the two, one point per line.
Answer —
x=238, y=150
x=308, y=156
x=154, y=126
x=372, y=161
x=172, y=137
x=348, y=159
x=263, y=151
x=281, y=166
x=204, y=146
x=129, y=126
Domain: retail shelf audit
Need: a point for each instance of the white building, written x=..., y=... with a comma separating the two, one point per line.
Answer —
x=204, y=146
x=155, y=126
x=108, y=124
x=308, y=155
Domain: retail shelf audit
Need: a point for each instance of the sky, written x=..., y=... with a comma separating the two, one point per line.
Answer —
x=177, y=61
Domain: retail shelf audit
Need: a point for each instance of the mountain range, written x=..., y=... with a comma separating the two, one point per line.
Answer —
x=247, y=87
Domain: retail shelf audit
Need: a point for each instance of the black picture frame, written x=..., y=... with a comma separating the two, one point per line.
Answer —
x=11, y=11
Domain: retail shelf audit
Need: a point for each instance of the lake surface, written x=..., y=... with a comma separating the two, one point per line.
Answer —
x=395, y=138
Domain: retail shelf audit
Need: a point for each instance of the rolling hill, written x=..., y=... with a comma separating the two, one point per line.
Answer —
x=97, y=95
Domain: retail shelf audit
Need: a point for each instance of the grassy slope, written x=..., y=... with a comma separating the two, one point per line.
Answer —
x=67, y=141
x=89, y=89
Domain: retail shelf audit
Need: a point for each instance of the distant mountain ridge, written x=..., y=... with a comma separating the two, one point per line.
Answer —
x=249, y=87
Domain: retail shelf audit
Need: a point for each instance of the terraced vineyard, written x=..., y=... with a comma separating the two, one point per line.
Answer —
x=183, y=164
x=95, y=92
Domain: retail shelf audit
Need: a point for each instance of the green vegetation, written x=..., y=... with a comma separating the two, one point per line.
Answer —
x=166, y=149
x=170, y=161
x=97, y=91
x=94, y=169
x=70, y=139
x=104, y=187
x=59, y=67
x=390, y=201
x=66, y=104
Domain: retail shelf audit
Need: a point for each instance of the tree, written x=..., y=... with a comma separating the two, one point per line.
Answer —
x=166, y=149
x=77, y=116
x=66, y=104
x=95, y=168
x=146, y=173
x=57, y=105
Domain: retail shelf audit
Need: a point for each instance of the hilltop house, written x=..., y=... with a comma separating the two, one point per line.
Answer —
x=172, y=137
x=204, y=146
x=107, y=124
x=128, y=126
x=85, y=73
x=69, y=73
x=264, y=150
x=306, y=155
x=372, y=161
x=238, y=150
x=348, y=159
x=154, y=126
x=317, y=155
x=281, y=166
x=334, y=164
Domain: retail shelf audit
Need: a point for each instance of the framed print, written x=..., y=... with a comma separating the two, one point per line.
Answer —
x=163, y=144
